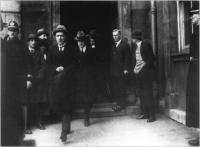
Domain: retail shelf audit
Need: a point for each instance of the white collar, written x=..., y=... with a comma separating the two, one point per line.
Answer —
x=31, y=50
x=118, y=42
x=62, y=46
x=139, y=43
x=83, y=49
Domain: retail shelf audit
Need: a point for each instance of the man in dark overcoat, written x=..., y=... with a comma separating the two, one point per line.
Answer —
x=143, y=70
x=101, y=93
x=13, y=86
x=62, y=61
x=85, y=75
x=119, y=67
x=35, y=74
x=43, y=47
x=192, y=93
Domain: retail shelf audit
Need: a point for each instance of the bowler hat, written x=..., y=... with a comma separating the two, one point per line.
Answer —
x=42, y=31
x=13, y=26
x=80, y=36
x=60, y=28
x=32, y=36
x=137, y=35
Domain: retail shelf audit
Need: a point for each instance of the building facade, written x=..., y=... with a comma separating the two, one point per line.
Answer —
x=164, y=23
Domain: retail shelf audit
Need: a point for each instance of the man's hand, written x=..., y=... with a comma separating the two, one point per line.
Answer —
x=125, y=72
x=29, y=76
x=28, y=84
x=60, y=68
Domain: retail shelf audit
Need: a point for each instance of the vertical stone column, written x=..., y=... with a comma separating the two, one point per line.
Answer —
x=153, y=26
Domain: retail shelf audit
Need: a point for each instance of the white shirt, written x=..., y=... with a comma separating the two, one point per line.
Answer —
x=32, y=50
x=61, y=47
x=83, y=49
x=118, y=42
x=139, y=61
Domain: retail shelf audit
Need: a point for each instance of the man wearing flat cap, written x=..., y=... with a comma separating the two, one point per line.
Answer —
x=43, y=47
x=119, y=67
x=85, y=75
x=143, y=71
x=43, y=43
x=62, y=61
x=13, y=86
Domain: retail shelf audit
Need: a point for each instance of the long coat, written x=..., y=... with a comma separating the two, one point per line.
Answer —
x=13, y=68
x=192, y=95
x=120, y=59
x=62, y=88
x=36, y=67
x=85, y=75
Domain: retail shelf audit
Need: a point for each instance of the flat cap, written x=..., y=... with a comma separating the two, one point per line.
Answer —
x=42, y=31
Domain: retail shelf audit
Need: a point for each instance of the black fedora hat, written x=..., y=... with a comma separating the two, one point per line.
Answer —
x=80, y=36
x=42, y=31
x=137, y=35
x=60, y=28
x=32, y=36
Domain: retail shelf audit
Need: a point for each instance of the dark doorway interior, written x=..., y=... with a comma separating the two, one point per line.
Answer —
x=87, y=15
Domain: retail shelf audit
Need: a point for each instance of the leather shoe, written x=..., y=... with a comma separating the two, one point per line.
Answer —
x=142, y=116
x=151, y=119
x=194, y=142
x=63, y=136
x=86, y=122
x=40, y=126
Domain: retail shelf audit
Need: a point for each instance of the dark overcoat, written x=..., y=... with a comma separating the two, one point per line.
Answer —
x=62, y=89
x=120, y=59
x=85, y=75
x=192, y=95
x=12, y=91
x=36, y=67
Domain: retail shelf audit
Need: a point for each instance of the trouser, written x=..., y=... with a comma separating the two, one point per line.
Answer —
x=118, y=90
x=145, y=92
x=32, y=112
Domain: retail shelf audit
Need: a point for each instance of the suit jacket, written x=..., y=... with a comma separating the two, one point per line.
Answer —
x=67, y=58
x=147, y=55
x=120, y=59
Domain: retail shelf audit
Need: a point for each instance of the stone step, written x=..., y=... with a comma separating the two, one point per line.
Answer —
x=105, y=110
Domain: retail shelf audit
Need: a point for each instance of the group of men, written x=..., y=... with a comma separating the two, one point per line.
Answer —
x=63, y=74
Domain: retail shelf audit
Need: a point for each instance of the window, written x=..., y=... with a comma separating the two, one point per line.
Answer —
x=184, y=24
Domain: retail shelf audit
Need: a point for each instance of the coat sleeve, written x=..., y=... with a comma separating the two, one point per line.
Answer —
x=149, y=55
x=127, y=57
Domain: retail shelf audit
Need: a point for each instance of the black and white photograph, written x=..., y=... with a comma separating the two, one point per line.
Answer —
x=99, y=73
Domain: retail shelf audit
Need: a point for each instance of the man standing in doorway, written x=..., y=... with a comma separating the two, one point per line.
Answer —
x=120, y=61
x=62, y=61
x=143, y=71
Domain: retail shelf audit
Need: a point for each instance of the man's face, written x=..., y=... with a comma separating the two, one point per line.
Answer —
x=134, y=40
x=43, y=37
x=196, y=19
x=116, y=36
x=81, y=44
x=92, y=41
x=60, y=37
x=12, y=34
x=32, y=43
